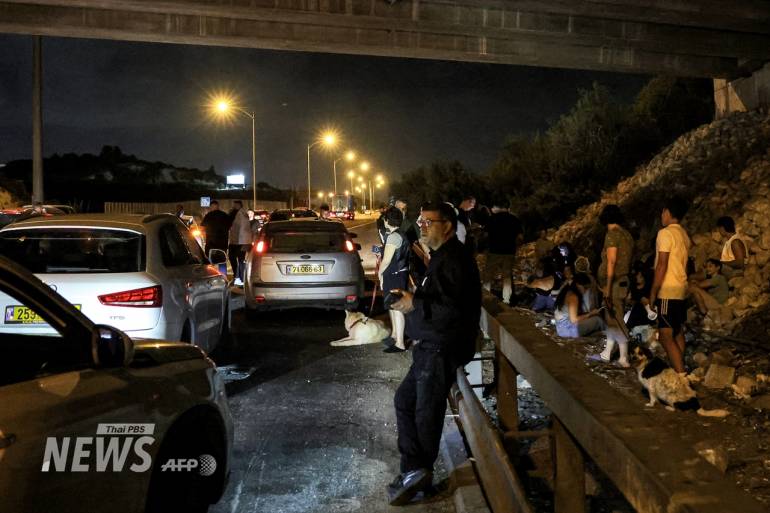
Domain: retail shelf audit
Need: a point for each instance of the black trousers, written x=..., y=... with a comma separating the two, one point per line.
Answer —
x=420, y=406
x=237, y=255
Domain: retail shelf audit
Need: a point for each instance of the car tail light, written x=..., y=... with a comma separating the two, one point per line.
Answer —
x=261, y=246
x=259, y=299
x=148, y=297
x=349, y=246
x=351, y=299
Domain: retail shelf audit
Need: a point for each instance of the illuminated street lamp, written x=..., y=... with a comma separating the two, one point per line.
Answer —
x=328, y=139
x=223, y=107
x=350, y=156
x=320, y=194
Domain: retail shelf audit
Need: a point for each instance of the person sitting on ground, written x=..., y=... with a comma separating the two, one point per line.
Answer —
x=712, y=292
x=591, y=296
x=638, y=293
x=571, y=321
x=734, y=252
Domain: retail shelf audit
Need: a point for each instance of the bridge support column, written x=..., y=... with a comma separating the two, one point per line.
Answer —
x=570, y=480
x=743, y=94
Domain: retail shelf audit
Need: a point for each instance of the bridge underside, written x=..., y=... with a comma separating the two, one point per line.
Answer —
x=701, y=38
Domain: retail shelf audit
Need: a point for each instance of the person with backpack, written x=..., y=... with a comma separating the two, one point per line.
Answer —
x=442, y=318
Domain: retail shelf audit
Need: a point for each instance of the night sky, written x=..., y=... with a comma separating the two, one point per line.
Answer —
x=148, y=99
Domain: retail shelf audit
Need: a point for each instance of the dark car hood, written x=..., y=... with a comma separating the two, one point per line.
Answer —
x=157, y=352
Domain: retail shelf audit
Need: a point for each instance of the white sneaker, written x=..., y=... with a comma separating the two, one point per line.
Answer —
x=238, y=282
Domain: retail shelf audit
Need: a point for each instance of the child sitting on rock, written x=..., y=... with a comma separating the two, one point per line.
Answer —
x=712, y=292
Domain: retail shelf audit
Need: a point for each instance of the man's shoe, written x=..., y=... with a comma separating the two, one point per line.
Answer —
x=411, y=483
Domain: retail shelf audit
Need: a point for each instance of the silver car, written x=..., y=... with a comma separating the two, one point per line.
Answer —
x=92, y=420
x=304, y=263
x=145, y=275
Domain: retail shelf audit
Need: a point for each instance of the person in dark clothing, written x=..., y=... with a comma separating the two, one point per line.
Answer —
x=216, y=225
x=394, y=274
x=442, y=317
x=504, y=235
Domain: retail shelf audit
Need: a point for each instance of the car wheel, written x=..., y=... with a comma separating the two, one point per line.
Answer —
x=195, y=438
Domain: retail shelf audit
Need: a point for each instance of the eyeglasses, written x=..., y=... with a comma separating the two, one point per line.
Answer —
x=422, y=221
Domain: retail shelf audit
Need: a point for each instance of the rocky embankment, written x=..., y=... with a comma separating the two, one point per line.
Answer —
x=722, y=169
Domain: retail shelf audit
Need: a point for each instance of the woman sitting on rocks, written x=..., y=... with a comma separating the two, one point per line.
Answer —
x=571, y=321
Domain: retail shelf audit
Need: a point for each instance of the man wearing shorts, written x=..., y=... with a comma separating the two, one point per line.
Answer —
x=669, y=287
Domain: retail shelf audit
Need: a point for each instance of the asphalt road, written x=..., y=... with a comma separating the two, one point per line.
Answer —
x=314, y=424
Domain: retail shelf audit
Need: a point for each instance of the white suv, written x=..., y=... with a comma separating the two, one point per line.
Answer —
x=145, y=275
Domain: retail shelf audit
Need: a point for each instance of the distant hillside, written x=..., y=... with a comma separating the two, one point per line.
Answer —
x=112, y=175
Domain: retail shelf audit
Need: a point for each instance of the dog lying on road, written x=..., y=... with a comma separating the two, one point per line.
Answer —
x=361, y=330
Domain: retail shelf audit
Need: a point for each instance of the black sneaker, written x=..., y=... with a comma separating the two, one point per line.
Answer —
x=411, y=482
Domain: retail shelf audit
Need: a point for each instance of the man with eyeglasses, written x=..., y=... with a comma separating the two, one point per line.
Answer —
x=442, y=317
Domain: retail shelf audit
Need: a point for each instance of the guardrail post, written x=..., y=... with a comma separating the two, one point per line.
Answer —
x=569, y=481
x=507, y=394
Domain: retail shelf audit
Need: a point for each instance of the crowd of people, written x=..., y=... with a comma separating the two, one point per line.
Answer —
x=436, y=309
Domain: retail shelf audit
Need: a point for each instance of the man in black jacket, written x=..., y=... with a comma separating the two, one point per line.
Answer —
x=442, y=316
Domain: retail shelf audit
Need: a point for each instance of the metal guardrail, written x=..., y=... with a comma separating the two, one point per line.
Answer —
x=655, y=470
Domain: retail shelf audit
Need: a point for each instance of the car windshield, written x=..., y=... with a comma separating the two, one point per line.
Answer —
x=306, y=242
x=75, y=250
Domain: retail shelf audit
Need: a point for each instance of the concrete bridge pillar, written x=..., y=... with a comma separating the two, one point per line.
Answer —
x=743, y=94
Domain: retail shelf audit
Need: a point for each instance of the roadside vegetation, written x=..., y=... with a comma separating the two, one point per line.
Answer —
x=547, y=176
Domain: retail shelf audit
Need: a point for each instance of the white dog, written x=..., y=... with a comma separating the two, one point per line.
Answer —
x=361, y=330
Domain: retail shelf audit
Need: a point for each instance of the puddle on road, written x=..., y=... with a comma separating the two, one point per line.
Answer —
x=235, y=373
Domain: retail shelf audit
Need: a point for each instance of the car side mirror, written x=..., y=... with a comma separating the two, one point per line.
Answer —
x=111, y=347
x=357, y=246
x=352, y=235
x=217, y=256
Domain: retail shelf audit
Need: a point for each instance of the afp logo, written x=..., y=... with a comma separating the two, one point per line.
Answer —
x=205, y=464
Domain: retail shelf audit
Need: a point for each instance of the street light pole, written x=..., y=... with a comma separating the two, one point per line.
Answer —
x=308, y=175
x=254, y=158
x=334, y=167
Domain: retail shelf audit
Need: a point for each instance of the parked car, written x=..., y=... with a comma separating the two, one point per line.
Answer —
x=298, y=263
x=62, y=384
x=281, y=214
x=304, y=213
x=145, y=275
x=62, y=209
x=9, y=215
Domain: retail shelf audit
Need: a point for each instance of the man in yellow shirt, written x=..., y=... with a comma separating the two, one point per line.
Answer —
x=669, y=287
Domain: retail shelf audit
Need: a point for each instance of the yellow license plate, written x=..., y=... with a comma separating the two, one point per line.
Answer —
x=305, y=269
x=17, y=314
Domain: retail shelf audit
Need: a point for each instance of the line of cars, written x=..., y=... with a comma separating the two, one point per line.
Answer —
x=89, y=303
x=62, y=381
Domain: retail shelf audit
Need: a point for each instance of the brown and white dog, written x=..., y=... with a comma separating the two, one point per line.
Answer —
x=361, y=330
x=667, y=386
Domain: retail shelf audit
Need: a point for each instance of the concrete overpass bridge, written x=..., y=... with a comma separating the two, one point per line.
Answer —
x=701, y=38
